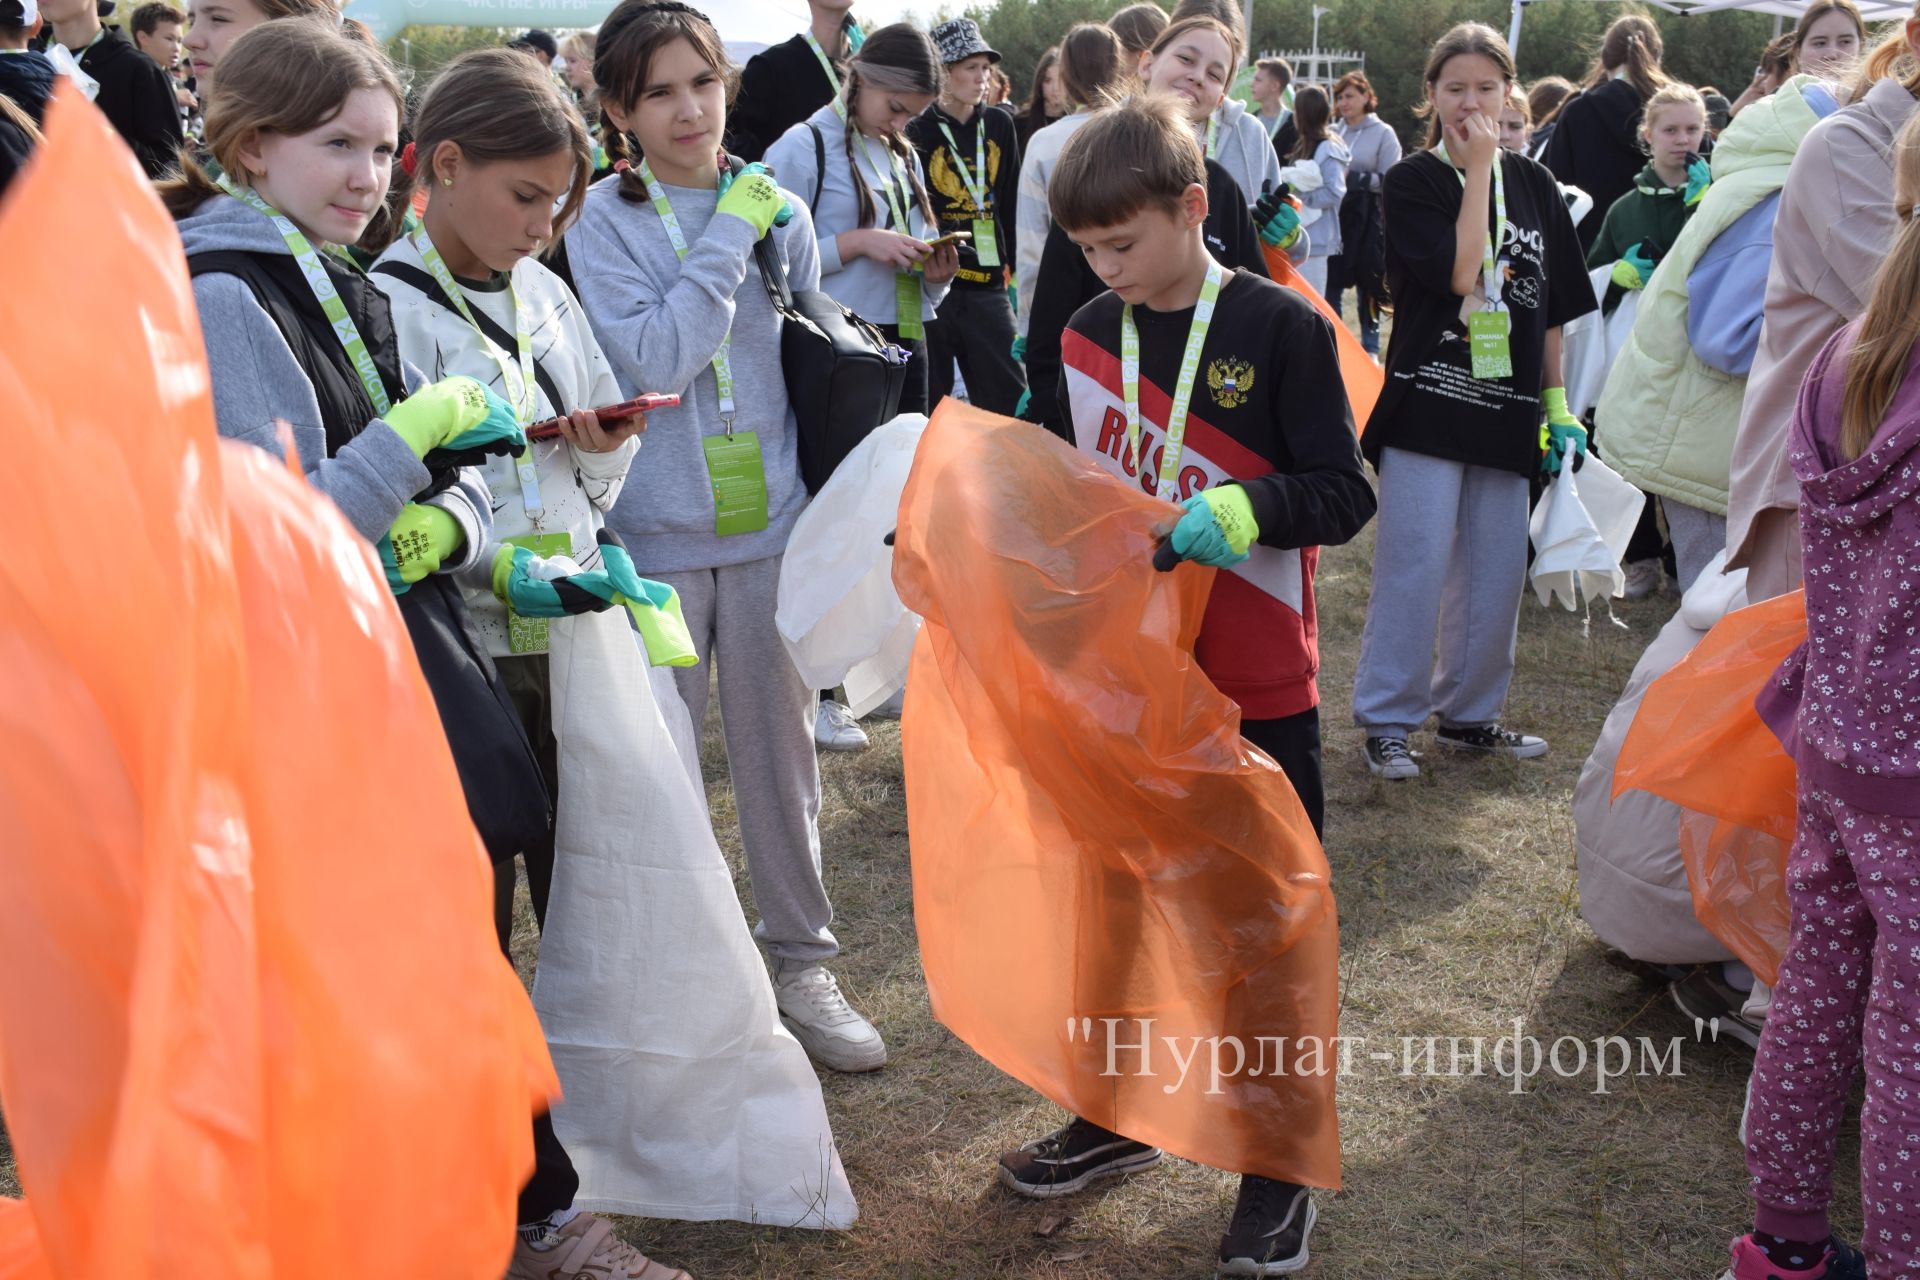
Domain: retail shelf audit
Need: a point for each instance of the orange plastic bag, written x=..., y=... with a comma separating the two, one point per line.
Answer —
x=1099, y=858
x=1698, y=742
x=1360, y=372
x=259, y=1024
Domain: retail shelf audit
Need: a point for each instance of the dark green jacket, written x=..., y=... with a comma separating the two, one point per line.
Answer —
x=1650, y=216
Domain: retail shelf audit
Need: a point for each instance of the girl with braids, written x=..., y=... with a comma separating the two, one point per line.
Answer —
x=1846, y=994
x=1596, y=141
x=867, y=188
x=652, y=1079
x=663, y=261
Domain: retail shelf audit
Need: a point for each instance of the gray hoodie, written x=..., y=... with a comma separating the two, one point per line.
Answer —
x=258, y=385
x=1244, y=149
x=660, y=320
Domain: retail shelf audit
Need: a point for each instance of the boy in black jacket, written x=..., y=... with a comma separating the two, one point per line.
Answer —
x=135, y=95
x=973, y=174
x=1226, y=401
x=784, y=84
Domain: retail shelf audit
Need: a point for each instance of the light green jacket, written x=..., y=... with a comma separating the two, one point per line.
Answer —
x=1666, y=420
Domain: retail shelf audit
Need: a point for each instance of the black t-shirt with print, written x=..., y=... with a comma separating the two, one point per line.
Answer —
x=953, y=205
x=1432, y=404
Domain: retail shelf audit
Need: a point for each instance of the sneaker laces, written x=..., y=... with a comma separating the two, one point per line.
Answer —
x=598, y=1246
x=1049, y=1147
x=1262, y=1198
x=1389, y=750
x=822, y=992
x=838, y=715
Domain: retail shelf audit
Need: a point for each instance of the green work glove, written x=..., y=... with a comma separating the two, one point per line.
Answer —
x=755, y=199
x=781, y=218
x=1277, y=217
x=1699, y=178
x=1026, y=399
x=536, y=588
x=1634, y=269
x=419, y=543
x=1013, y=294
x=1560, y=432
x=456, y=415
x=1020, y=349
x=1218, y=528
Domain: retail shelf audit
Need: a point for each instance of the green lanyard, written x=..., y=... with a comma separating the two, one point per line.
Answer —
x=1213, y=137
x=323, y=291
x=1489, y=261
x=1182, y=389
x=899, y=177
x=833, y=77
x=519, y=388
x=722, y=367
x=976, y=185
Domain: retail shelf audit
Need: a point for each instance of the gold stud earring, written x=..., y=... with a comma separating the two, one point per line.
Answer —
x=446, y=182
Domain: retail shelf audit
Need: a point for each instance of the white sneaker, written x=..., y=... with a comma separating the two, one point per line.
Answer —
x=1644, y=578
x=835, y=730
x=831, y=1031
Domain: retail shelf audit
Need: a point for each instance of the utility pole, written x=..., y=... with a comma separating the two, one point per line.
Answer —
x=1314, y=61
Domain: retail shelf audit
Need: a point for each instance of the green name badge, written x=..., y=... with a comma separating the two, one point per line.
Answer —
x=1489, y=333
x=739, y=479
x=986, y=245
x=906, y=305
x=529, y=635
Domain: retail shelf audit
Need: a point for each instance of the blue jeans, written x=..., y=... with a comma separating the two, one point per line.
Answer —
x=1369, y=328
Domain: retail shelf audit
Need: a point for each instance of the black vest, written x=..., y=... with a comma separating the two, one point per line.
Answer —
x=506, y=795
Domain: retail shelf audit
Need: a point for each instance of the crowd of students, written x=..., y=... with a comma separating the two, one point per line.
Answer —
x=1100, y=260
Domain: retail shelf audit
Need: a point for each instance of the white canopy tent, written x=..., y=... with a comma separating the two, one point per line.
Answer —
x=1871, y=10
x=738, y=20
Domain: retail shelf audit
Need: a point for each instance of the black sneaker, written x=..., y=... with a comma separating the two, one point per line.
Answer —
x=1389, y=758
x=1714, y=1004
x=1492, y=738
x=1072, y=1159
x=1268, y=1234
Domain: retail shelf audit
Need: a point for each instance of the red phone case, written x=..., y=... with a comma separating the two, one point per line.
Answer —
x=610, y=414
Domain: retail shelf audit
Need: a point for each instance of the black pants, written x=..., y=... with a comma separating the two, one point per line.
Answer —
x=913, y=397
x=554, y=1182
x=526, y=678
x=1294, y=743
x=975, y=327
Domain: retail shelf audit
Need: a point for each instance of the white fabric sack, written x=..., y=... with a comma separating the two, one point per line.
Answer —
x=684, y=1096
x=1580, y=531
x=838, y=613
x=1589, y=345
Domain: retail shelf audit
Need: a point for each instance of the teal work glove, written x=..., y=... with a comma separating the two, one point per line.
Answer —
x=1218, y=528
x=419, y=543
x=1634, y=269
x=1026, y=398
x=1013, y=294
x=755, y=199
x=1560, y=432
x=1699, y=178
x=1277, y=217
x=781, y=218
x=558, y=588
x=1020, y=349
x=456, y=416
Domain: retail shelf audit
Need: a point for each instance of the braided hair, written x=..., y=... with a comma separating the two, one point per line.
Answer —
x=899, y=58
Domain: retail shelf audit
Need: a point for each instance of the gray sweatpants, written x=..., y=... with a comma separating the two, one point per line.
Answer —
x=1698, y=536
x=766, y=712
x=1449, y=554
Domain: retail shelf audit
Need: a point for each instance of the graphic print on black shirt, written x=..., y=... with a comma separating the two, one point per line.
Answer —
x=1265, y=415
x=953, y=204
x=1432, y=404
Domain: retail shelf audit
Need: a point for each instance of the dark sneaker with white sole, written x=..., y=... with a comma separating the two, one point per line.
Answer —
x=1492, y=739
x=1714, y=1004
x=1389, y=758
x=1073, y=1159
x=1268, y=1234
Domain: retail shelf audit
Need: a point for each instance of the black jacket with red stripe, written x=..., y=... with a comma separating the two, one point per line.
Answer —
x=1268, y=412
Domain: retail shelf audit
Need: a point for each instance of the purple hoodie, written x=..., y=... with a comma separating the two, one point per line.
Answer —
x=1846, y=703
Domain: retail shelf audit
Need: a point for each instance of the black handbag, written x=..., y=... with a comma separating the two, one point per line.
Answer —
x=844, y=378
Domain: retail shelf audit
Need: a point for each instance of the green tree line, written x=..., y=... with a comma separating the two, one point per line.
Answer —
x=1559, y=37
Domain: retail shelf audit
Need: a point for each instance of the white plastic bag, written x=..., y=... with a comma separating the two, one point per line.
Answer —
x=838, y=613
x=1580, y=531
x=685, y=1097
x=1591, y=344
